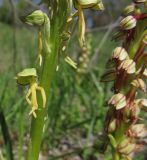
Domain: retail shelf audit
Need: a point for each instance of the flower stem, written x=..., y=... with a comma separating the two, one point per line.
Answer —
x=116, y=156
x=60, y=12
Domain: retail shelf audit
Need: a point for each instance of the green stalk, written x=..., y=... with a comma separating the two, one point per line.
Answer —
x=115, y=156
x=60, y=13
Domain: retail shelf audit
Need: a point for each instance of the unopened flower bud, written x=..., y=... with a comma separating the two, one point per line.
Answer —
x=139, y=130
x=94, y=4
x=139, y=1
x=129, y=65
x=139, y=83
x=65, y=36
x=124, y=143
x=145, y=40
x=120, y=53
x=112, y=126
x=81, y=59
x=129, y=9
x=128, y=23
x=118, y=100
x=143, y=102
x=127, y=149
x=145, y=73
x=35, y=18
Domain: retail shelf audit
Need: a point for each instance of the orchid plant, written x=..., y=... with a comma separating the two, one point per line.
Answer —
x=127, y=67
x=54, y=32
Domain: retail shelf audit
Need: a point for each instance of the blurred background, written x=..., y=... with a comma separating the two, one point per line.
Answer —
x=77, y=105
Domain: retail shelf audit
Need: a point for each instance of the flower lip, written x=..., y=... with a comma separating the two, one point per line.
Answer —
x=139, y=130
x=139, y=83
x=128, y=65
x=118, y=100
x=120, y=53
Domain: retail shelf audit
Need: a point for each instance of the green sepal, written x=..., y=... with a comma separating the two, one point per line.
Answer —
x=25, y=77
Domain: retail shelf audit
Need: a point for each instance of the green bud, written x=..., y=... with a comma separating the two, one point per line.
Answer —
x=35, y=18
x=112, y=126
x=129, y=9
x=65, y=36
x=124, y=143
x=128, y=23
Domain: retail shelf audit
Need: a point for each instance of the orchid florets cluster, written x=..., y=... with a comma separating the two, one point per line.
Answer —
x=127, y=67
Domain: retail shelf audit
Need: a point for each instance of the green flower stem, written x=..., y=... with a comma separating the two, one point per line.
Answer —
x=60, y=13
x=116, y=156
